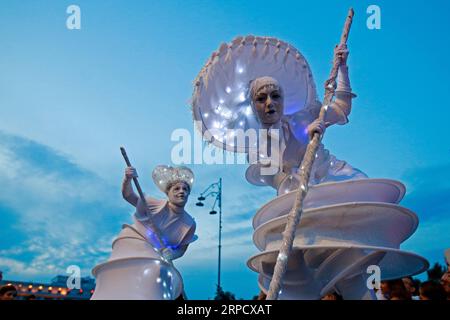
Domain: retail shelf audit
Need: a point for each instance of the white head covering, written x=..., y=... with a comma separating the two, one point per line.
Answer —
x=164, y=175
x=259, y=83
x=220, y=100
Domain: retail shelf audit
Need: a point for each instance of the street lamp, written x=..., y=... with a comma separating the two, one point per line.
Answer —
x=214, y=190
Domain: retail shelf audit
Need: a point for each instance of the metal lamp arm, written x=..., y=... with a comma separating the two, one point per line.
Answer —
x=209, y=187
x=212, y=193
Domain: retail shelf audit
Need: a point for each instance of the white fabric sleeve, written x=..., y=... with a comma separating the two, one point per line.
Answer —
x=190, y=236
x=128, y=193
x=343, y=84
x=152, y=206
x=339, y=110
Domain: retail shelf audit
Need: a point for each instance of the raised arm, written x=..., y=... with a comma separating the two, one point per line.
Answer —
x=127, y=189
x=342, y=104
x=340, y=108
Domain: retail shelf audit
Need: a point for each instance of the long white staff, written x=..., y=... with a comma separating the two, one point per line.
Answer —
x=294, y=216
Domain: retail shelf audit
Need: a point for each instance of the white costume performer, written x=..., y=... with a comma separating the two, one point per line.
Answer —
x=349, y=222
x=224, y=100
x=293, y=131
x=137, y=269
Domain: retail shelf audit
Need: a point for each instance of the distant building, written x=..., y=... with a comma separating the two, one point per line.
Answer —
x=55, y=290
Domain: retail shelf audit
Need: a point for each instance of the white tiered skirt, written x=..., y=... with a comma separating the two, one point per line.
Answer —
x=135, y=271
x=345, y=228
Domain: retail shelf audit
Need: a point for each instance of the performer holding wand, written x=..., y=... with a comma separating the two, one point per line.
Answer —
x=168, y=227
x=140, y=266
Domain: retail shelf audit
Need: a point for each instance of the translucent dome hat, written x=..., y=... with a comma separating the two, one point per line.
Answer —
x=220, y=101
x=164, y=175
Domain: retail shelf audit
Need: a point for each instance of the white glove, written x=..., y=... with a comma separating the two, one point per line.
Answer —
x=342, y=52
x=343, y=84
x=130, y=173
x=316, y=126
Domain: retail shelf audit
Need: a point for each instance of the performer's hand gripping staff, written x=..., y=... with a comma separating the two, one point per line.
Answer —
x=164, y=251
x=293, y=219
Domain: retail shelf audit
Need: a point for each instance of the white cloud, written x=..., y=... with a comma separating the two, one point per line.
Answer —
x=62, y=212
x=65, y=213
x=18, y=268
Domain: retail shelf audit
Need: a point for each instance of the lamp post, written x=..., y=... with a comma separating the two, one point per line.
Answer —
x=214, y=190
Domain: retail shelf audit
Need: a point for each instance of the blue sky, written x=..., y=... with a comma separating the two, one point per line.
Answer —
x=69, y=99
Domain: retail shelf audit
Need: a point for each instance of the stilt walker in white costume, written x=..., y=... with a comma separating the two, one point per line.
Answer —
x=140, y=266
x=264, y=83
x=349, y=222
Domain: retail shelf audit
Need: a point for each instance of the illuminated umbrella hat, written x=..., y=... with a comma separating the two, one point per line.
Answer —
x=220, y=101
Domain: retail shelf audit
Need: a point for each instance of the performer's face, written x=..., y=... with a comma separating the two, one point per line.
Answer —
x=178, y=194
x=268, y=103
